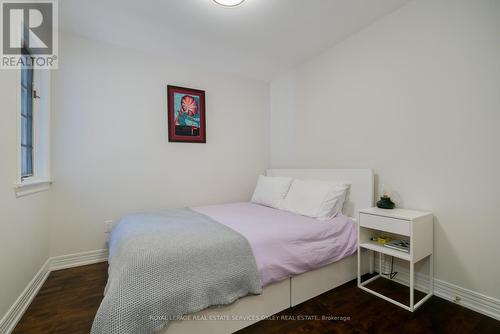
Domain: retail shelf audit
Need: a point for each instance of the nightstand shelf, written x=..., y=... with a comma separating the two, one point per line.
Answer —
x=413, y=226
x=376, y=247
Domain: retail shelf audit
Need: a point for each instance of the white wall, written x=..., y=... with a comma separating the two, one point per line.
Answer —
x=110, y=151
x=416, y=97
x=24, y=227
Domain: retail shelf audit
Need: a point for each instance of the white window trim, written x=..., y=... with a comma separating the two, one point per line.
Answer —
x=41, y=179
x=26, y=188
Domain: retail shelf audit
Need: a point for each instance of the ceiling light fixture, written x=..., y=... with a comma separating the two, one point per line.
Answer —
x=229, y=3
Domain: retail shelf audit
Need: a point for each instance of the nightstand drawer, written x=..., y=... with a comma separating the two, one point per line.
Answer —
x=386, y=224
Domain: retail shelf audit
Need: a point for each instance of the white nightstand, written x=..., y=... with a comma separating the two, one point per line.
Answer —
x=413, y=226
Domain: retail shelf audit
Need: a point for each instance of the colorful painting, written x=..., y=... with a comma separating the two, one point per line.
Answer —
x=186, y=115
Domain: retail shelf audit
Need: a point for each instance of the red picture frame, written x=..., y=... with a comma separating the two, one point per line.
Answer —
x=186, y=115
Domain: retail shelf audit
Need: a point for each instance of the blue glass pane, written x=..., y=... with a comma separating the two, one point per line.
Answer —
x=30, y=160
x=24, y=101
x=29, y=103
x=29, y=132
x=24, y=130
x=24, y=162
x=24, y=77
x=29, y=74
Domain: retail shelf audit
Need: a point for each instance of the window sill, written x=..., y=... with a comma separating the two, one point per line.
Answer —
x=31, y=187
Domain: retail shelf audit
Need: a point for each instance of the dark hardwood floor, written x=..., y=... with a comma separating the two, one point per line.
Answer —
x=67, y=302
x=69, y=299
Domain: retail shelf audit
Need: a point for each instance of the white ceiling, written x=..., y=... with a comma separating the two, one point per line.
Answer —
x=260, y=38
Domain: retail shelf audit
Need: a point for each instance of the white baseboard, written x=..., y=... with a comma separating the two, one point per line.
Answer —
x=467, y=298
x=78, y=259
x=16, y=311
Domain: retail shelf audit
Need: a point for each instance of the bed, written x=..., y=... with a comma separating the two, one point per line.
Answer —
x=286, y=244
x=297, y=258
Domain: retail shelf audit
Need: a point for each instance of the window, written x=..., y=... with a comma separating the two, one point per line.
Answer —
x=34, y=126
x=26, y=121
x=34, y=130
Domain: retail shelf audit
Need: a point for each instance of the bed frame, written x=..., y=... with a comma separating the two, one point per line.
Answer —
x=294, y=290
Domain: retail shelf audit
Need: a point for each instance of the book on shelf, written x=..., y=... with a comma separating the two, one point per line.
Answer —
x=400, y=245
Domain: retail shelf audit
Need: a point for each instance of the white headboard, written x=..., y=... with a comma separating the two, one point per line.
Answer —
x=361, y=181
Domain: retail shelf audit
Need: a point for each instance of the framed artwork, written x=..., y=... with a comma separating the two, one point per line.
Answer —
x=186, y=115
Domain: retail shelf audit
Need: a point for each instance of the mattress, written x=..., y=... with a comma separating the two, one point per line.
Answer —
x=286, y=244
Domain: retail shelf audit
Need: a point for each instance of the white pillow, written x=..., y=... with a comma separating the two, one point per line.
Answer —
x=271, y=191
x=316, y=199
